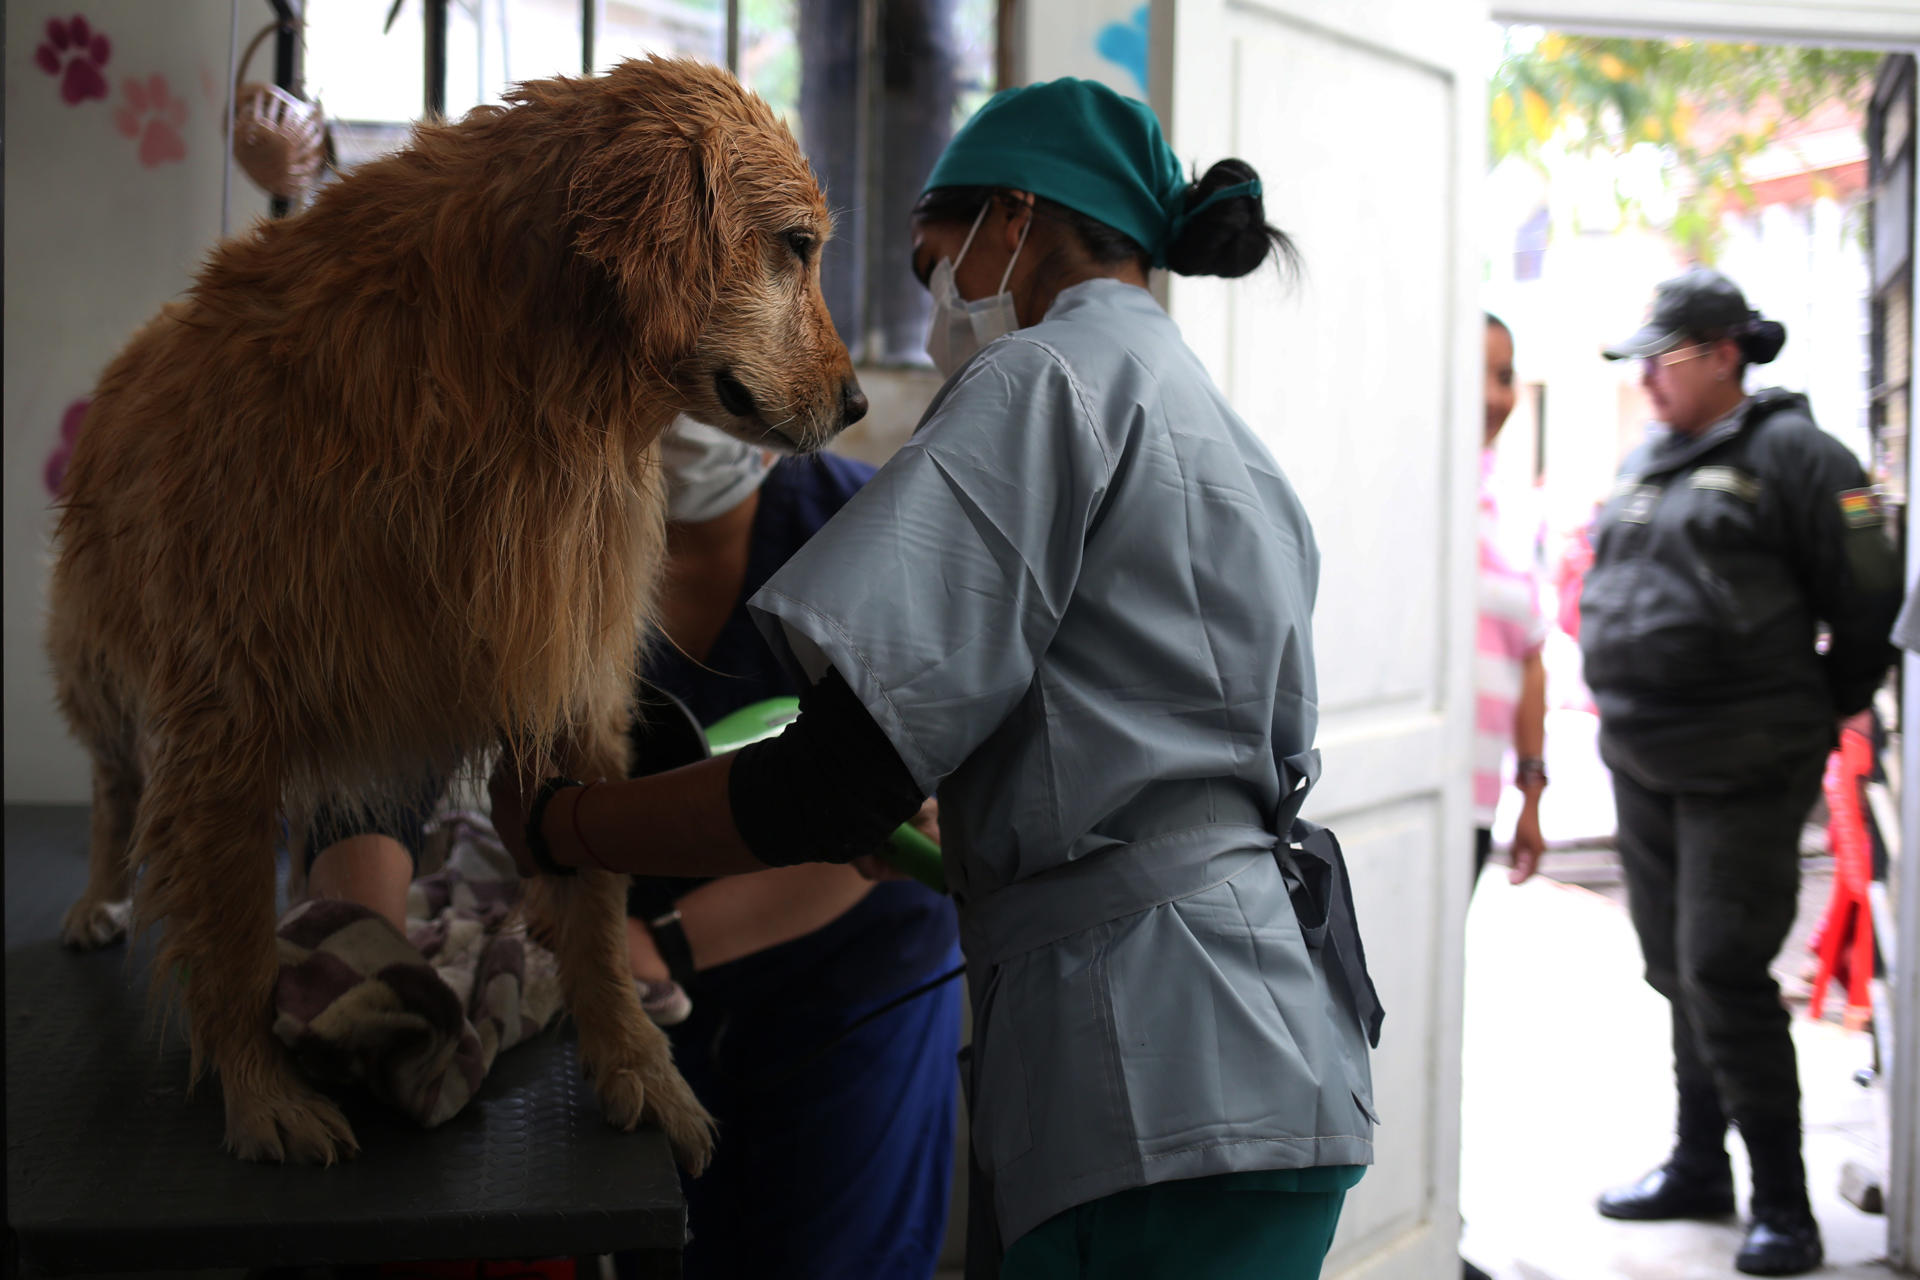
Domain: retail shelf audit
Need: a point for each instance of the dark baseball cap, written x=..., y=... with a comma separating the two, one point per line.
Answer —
x=1695, y=305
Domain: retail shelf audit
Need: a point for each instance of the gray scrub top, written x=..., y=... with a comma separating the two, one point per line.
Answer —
x=1078, y=602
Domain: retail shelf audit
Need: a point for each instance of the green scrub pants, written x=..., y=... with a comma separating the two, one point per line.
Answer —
x=1262, y=1225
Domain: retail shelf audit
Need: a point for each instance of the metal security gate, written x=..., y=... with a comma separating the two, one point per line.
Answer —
x=1896, y=900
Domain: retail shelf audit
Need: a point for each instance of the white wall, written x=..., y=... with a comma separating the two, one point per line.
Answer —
x=1806, y=266
x=1596, y=279
x=101, y=228
x=1104, y=40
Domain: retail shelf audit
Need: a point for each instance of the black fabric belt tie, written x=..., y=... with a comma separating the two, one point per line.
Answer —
x=1316, y=875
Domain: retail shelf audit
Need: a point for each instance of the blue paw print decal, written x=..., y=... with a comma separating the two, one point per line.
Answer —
x=1125, y=45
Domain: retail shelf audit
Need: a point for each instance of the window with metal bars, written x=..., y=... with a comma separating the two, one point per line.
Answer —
x=872, y=89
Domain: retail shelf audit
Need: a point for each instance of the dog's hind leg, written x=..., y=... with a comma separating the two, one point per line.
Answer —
x=584, y=917
x=205, y=839
x=104, y=725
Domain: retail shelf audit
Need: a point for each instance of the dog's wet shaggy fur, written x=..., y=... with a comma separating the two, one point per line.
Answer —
x=379, y=495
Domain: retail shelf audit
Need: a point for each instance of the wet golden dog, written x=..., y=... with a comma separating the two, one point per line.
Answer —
x=380, y=493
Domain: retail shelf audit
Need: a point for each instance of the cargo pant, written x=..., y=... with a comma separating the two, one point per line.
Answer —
x=1713, y=884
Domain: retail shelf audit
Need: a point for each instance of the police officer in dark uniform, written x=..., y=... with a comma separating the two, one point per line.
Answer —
x=1735, y=535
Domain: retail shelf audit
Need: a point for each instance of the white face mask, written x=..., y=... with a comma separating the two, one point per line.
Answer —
x=709, y=473
x=959, y=327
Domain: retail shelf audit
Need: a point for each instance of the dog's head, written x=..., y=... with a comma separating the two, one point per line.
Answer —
x=698, y=203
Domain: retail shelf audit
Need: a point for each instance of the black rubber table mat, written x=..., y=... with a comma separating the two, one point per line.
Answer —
x=111, y=1167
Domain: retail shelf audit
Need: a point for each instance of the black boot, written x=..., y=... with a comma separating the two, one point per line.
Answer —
x=1675, y=1190
x=1696, y=1181
x=1783, y=1239
x=1780, y=1242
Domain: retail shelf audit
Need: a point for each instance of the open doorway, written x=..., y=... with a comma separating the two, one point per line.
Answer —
x=1617, y=163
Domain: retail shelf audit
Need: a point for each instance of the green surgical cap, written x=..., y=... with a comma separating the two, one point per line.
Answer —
x=1079, y=144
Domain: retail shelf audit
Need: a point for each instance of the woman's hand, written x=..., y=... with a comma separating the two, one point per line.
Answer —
x=926, y=819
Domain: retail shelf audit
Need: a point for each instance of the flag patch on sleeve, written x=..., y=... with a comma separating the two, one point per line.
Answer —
x=1861, y=509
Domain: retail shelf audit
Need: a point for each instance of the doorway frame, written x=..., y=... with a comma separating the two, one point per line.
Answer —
x=1886, y=26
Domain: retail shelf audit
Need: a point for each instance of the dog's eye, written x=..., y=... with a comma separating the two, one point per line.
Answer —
x=803, y=244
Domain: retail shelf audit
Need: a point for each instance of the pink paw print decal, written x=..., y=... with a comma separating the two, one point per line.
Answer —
x=63, y=452
x=75, y=52
x=152, y=114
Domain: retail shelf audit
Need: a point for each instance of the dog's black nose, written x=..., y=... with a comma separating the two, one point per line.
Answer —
x=853, y=402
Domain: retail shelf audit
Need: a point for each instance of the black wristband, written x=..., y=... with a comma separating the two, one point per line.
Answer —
x=671, y=940
x=536, y=815
x=830, y=788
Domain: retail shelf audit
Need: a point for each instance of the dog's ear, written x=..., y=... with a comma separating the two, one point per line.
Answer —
x=646, y=207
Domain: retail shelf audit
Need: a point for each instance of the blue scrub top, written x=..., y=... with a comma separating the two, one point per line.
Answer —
x=907, y=933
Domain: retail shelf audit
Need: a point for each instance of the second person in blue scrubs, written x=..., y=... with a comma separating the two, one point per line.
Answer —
x=837, y=1156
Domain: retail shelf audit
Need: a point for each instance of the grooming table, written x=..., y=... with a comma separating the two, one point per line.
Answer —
x=111, y=1167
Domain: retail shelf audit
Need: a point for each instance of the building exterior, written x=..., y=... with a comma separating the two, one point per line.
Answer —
x=1571, y=264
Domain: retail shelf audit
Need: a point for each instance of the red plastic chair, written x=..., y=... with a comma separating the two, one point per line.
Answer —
x=1847, y=928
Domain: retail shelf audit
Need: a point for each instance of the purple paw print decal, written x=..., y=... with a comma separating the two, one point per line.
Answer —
x=63, y=452
x=75, y=52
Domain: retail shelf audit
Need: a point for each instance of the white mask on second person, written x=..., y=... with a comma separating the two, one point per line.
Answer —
x=709, y=473
x=959, y=327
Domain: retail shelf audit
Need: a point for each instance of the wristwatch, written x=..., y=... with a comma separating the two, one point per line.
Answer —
x=1530, y=771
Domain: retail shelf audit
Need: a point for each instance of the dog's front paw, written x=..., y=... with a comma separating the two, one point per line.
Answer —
x=640, y=1089
x=91, y=925
x=296, y=1126
x=688, y=1126
x=640, y=1083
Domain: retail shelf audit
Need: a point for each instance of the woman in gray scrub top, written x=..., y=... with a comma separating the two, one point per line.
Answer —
x=1078, y=602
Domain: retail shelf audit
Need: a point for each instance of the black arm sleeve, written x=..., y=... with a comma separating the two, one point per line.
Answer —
x=830, y=788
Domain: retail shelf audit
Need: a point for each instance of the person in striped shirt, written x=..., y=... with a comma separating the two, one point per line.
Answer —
x=1510, y=680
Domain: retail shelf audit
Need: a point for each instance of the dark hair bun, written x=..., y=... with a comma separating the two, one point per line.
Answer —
x=1762, y=341
x=1229, y=237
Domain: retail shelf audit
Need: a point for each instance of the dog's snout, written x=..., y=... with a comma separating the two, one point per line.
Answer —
x=853, y=402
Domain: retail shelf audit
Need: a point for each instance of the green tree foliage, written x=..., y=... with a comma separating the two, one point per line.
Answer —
x=1711, y=106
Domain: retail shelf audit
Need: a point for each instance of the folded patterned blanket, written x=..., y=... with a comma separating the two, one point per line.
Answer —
x=420, y=1019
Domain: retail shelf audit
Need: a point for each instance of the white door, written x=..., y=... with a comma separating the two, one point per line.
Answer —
x=1366, y=123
